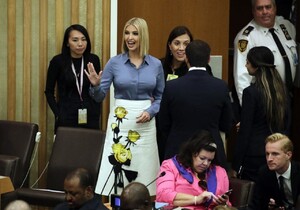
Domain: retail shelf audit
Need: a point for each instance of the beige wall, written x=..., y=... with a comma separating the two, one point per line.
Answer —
x=31, y=33
x=207, y=19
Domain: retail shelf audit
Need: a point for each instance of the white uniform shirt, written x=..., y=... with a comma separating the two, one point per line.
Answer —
x=260, y=36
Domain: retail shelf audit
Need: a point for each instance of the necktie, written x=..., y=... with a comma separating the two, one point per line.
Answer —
x=281, y=188
x=287, y=65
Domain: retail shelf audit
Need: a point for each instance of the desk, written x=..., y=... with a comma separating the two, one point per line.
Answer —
x=5, y=186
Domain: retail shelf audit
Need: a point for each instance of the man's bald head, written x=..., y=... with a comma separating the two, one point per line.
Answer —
x=135, y=196
x=18, y=205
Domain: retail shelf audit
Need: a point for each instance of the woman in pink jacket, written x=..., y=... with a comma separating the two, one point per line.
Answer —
x=191, y=179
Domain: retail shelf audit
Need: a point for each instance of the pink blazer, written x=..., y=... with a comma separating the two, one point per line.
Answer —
x=172, y=183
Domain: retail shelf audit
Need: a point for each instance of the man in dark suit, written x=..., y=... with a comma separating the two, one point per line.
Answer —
x=193, y=102
x=268, y=191
x=79, y=190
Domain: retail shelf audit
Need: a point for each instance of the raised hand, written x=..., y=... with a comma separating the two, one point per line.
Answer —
x=92, y=75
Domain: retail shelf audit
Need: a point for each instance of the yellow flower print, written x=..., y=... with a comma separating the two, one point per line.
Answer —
x=120, y=112
x=114, y=125
x=133, y=136
x=120, y=153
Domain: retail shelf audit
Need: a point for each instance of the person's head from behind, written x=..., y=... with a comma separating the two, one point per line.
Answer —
x=260, y=64
x=76, y=41
x=135, y=196
x=197, y=54
x=18, y=205
x=264, y=12
x=259, y=58
x=79, y=187
x=279, y=150
x=178, y=39
x=198, y=152
x=136, y=37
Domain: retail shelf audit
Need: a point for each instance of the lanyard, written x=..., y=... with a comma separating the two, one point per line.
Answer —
x=79, y=88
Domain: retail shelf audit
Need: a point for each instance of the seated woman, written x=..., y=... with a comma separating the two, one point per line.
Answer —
x=192, y=179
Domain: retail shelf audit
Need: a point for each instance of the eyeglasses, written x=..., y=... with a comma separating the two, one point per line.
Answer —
x=202, y=183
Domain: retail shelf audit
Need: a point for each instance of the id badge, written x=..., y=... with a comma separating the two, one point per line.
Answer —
x=295, y=59
x=171, y=77
x=82, y=116
x=294, y=55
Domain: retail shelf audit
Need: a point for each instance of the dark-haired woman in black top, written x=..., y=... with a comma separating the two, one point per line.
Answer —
x=73, y=107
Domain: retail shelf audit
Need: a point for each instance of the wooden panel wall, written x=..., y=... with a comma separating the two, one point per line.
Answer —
x=31, y=33
x=207, y=20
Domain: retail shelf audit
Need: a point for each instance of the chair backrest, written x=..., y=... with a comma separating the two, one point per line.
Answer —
x=18, y=139
x=74, y=148
x=242, y=191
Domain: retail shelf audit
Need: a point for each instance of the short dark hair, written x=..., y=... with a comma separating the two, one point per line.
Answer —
x=201, y=140
x=84, y=176
x=135, y=196
x=253, y=2
x=198, y=53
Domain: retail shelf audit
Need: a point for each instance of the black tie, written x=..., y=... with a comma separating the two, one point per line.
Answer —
x=281, y=188
x=287, y=65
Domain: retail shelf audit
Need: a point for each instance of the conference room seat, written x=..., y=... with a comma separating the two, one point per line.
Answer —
x=242, y=191
x=73, y=148
x=17, y=141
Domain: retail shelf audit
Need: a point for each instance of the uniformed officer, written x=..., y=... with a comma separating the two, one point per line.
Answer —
x=257, y=33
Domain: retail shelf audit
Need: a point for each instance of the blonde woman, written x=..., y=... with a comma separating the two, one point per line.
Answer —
x=130, y=147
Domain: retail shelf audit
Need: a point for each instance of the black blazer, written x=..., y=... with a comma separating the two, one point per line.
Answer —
x=254, y=128
x=267, y=187
x=193, y=102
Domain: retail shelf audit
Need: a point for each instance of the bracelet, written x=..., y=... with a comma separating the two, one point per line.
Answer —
x=195, y=200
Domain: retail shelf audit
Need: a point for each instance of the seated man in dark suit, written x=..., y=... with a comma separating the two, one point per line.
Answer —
x=79, y=189
x=135, y=196
x=278, y=185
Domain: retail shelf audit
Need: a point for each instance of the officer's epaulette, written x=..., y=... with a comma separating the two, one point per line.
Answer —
x=248, y=30
x=285, y=32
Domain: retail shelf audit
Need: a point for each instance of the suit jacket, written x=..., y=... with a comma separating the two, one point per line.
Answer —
x=254, y=129
x=94, y=204
x=193, y=102
x=267, y=187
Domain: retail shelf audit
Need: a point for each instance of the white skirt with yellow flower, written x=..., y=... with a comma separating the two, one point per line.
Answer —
x=130, y=150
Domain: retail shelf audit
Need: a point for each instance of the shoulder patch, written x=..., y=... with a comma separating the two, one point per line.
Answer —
x=242, y=45
x=248, y=30
x=285, y=32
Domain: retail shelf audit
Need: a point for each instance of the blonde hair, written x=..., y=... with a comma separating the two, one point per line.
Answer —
x=142, y=27
x=287, y=144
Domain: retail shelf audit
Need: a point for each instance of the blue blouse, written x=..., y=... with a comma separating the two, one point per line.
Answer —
x=131, y=83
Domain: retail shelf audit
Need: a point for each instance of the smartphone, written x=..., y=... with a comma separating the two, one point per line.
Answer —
x=227, y=193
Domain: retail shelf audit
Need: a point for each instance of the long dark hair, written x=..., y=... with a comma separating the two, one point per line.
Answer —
x=270, y=85
x=201, y=140
x=177, y=31
x=65, y=50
